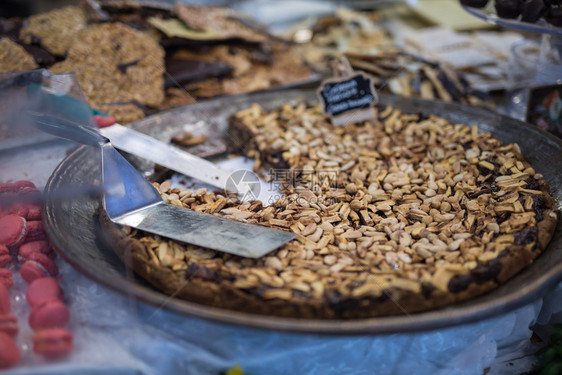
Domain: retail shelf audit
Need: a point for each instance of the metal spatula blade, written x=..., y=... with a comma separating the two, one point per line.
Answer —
x=247, y=240
x=131, y=200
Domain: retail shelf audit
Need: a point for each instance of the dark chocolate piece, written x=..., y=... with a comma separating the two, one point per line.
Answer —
x=123, y=67
x=204, y=273
x=185, y=71
x=508, y=8
x=526, y=236
x=459, y=283
x=301, y=294
x=41, y=55
x=261, y=54
x=475, y=3
x=486, y=272
x=532, y=10
x=554, y=15
x=449, y=85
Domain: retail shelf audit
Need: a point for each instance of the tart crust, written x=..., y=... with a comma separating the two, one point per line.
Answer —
x=358, y=289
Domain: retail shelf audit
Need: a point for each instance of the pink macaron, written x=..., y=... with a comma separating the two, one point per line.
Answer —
x=9, y=352
x=49, y=314
x=34, y=211
x=35, y=231
x=29, y=248
x=9, y=325
x=36, y=266
x=23, y=184
x=4, y=300
x=18, y=210
x=43, y=289
x=13, y=230
x=27, y=190
x=8, y=187
x=53, y=342
x=30, y=271
x=5, y=256
x=6, y=278
x=26, y=187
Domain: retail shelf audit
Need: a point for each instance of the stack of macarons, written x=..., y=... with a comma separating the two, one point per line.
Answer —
x=22, y=235
x=21, y=232
x=48, y=317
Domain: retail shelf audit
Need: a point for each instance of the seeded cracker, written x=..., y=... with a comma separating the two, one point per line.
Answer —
x=285, y=67
x=55, y=30
x=14, y=58
x=116, y=64
x=218, y=19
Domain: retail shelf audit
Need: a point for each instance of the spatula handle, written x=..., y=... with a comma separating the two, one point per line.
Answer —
x=68, y=129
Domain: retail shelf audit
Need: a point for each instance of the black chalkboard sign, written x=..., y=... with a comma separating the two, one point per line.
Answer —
x=341, y=95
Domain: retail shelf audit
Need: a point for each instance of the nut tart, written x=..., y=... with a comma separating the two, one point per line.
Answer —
x=397, y=215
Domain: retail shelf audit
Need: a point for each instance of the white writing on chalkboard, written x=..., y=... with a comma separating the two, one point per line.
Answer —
x=343, y=90
x=343, y=95
x=351, y=103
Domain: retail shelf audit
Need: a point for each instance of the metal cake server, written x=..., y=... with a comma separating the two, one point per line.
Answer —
x=131, y=200
x=142, y=145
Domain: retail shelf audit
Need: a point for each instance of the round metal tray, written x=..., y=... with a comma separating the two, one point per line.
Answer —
x=72, y=225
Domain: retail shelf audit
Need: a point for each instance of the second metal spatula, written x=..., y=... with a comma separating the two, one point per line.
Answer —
x=131, y=200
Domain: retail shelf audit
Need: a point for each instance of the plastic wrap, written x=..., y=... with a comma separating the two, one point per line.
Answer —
x=114, y=333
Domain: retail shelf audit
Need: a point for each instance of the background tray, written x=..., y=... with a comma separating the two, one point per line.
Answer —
x=72, y=226
x=489, y=14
